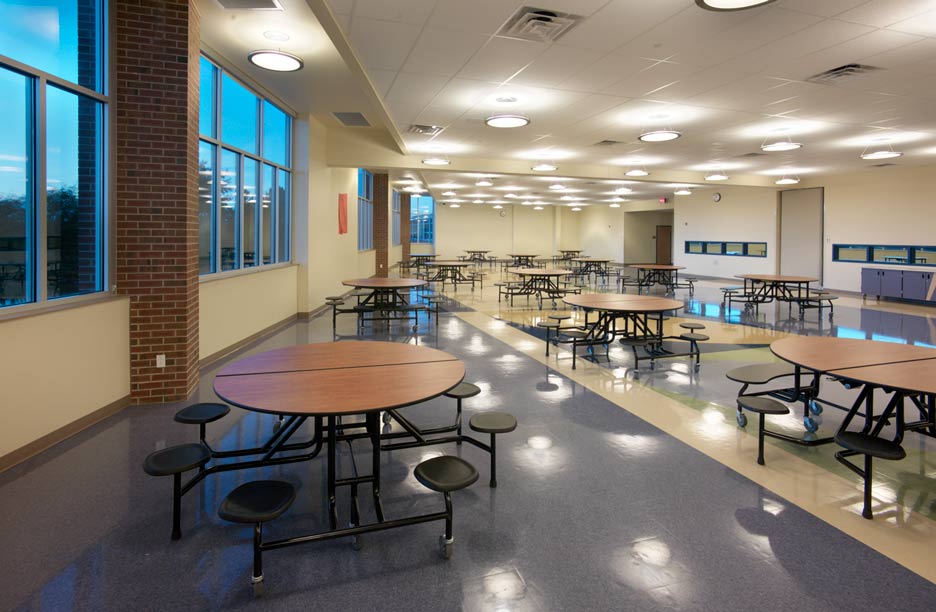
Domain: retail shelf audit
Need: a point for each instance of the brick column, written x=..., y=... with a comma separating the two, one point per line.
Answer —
x=381, y=222
x=405, y=224
x=156, y=51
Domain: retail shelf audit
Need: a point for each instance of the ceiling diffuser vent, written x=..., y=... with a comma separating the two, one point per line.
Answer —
x=608, y=143
x=425, y=130
x=250, y=5
x=881, y=165
x=837, y=75
x=352, y=119
x=538, y=25
x=752, y=154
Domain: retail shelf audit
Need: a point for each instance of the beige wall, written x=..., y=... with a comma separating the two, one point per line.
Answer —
x=570, y=224
x=877, y=206
x=235, y=308
x=58, y=367
x=640, y=234
x=746, y=214
x=601, y=231
x=473, y=226
x=533, y=231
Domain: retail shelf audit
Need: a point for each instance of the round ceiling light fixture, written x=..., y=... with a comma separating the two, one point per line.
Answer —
x=880, y=153
x=497, y=206
x=780, y=145
x=576, y=209
x=731, y=5
x=615, y=205
x=277, y=36
x=682, y=191
x=637, y=172
x=448, y=193
x=557, y=187
x=455, y=205
x=484, y=183
x=787, y=179
x=537, y=208
x=477, y=201
x=436, y=160
x=544, y=167
x=277, y=61
x=716, y=175
x=414, y=189
x=659, y=135
x=507, y=121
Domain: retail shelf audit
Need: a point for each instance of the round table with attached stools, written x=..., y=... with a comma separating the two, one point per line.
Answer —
x=763, y=288
x=449, y=271
x=522, y=260
x=384, y=299
x=493, y=423
x=540, y=282
x=649, y=275
x=762, y=406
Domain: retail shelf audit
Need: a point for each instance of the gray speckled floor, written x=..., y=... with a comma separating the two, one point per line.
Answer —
x=595, y=510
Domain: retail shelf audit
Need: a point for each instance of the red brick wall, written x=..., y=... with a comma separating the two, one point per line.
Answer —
x=405, y=225
x=156, y=47
x=381, y=221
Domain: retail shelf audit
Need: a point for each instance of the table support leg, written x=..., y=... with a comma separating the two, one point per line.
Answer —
x=332, y=443
x=373, y=428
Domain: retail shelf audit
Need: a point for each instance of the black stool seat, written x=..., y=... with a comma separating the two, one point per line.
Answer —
x=548, y=324
x=445, y=474
x=635, y=341
x=694, y=337
x=574, y=333
x=760, y=373
x=762, y=405
x=691, y=325
x=493, y=422
x=334, y=297
x=176, y=459
x=199, y=414
x=463, y=390
x=334, y=302
x=870, y=445
x=559, y=317
x=257, y=502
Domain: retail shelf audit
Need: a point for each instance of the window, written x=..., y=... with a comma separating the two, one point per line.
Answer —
x=885, y=254
x=245, y=198
x=422, y=220
x=52, y=236
x=732, y=249
x=365, y=210
x=396, y=218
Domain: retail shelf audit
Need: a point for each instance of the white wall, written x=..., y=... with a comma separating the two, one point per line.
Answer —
x=601, y=232
x=533, y=231
x=235, y=308
x=639, y=230
x=745, y=214
x=58, y=367
x=877, y=206
x=476, y=226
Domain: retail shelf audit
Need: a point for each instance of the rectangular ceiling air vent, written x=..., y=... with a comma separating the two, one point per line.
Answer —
x=836, y=75
x=425, y=130
x=352, y=119
x=881, y=165
x=250, y=5
x=752, y=154
x=608, y=143
x=538, y=25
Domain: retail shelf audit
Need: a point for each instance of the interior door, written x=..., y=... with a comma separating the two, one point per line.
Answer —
x=801, y=232
x=664, y=244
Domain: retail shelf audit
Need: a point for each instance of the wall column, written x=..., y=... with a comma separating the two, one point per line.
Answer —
x=381, y=222
x=156, y=57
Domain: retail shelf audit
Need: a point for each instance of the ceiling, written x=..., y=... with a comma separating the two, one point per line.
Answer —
x=727, y=81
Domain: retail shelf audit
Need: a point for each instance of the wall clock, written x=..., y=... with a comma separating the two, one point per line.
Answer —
x=716, y=197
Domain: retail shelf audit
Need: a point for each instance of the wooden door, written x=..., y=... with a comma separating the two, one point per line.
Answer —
x=664, y=244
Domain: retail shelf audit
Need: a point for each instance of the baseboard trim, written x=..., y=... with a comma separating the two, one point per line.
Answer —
x=210, y=359
x=61, y=434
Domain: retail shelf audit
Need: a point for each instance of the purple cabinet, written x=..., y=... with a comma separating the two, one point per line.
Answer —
x=871, y=282
x=916, y=284
x=892, y=283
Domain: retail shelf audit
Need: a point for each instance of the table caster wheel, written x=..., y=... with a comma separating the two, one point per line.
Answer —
x=810, y=424
x=446, y=547
x=386, y=417
x=815, y=407
x=356, y=543
x=697, y=367
x=257, y=585
x=742, y=419
x=653, y=365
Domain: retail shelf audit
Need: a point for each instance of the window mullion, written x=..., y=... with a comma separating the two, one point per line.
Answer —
x=40, y=257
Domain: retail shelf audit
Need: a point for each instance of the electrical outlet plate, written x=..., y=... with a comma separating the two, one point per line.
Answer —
x=160, y=361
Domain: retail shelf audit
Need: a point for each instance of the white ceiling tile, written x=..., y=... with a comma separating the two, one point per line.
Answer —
x=480, y=16
x=924, y=25
x=500, y=59
x=404, y=11
x=904, y=56
x=443, y=52
x=650, y=79
x=341, y=7
x=463, y=94
x=607, y=71
x=882, y=13
x=555, y=65
x=416, y=89
x=584, y=8
x=382, y=80
x=344, y=21
x=382, y=44
x=822, y=8
x=620, y=21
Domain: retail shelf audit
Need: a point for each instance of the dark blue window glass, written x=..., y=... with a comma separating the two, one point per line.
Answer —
x=206, y=221
x=266, y=211
x=238, y=115
x=276, y=130
x=206, y=98
x=229, y=197
x=16, y=203
x=282, y=216
x=73, y=193
x=422, y=220
x=61, y=37
x=250, y=193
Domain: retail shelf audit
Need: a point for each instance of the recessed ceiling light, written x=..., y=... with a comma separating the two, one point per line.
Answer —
x=436, y=161
x=544, y=168
x=277, y=36
x=881, y=154
x=717, y=175
x=576, y=209
x=276, y=61
x=787, y=180
x=507, y=121
x=730, y=5
x=498, y=206
x=484, y=183
x=636, y=172
x=414, y=189
x=477, y=202
x=448, y=193
x=780, y=145
x=682, y=191
x=506, y=99
x=510, y=195
x=615, y=205
x=623, y=190
x=557, y=187
x=659, y=135
x=537, y=208
x=455, y=205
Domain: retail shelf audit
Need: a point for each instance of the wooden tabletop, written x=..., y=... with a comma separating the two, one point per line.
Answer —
x=914, y=376
x=334, y=378
x=521, y=255
x=423, y=255
x=447, y=264
x=476, y=251
x=778, y=278
x=590, y=259
x=622, y=302
x=657, y=267
x=824, y=354
x=538, y=271
x=384, y=283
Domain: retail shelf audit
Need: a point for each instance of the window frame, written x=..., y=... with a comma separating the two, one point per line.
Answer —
x=395, y=233
x=37, y=238
x=702, y=247
x=416, y=237
x=365, y=210
x=912, y=251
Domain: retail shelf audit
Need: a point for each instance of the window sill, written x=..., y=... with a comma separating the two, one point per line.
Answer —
x=218, y=276
x=11, y=313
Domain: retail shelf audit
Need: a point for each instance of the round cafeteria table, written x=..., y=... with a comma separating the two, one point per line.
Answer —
x=539, y=282
x=449, y=271
x=522, y=260
x=386, y=291
x=333, y=379
x=657, y=274
x=589, y=265
x=760, y=288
